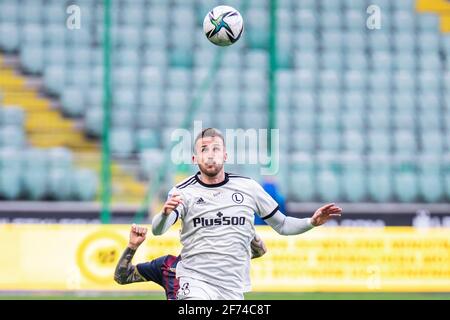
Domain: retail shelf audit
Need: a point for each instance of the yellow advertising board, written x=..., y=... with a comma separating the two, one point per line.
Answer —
x=83, y=257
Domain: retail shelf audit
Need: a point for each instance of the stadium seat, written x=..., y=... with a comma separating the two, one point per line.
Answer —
x=84, y=185
x=328, y=186
x=72, y=102
x=431, y=185
x=405, y=180
x=122, y=142
x=353, y=178
x=379, y=178
x=302, y=184
x=10, y=184
x=59, y=184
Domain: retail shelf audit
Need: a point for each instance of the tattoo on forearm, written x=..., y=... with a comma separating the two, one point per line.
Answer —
x=125, y=272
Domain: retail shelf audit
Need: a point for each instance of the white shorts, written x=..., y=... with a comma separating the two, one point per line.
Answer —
x=193, y=289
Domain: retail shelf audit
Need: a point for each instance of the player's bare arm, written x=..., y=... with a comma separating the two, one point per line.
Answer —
x=125, y=271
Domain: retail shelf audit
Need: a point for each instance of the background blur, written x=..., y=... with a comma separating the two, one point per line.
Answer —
x=91, y=91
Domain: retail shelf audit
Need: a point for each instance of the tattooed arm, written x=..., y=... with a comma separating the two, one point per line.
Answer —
x=126, y=272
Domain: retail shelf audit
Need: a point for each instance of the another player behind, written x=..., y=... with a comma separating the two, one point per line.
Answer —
x=160, y=270
x=216, y=209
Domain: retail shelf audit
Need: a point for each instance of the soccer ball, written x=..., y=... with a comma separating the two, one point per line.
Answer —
x=223, y=25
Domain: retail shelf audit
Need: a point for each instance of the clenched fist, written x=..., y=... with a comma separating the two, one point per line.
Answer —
x=137, y=236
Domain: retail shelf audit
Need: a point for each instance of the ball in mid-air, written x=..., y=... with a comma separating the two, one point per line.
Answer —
x=223, y=25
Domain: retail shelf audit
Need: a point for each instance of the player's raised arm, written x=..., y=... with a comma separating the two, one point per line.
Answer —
x=126, y=272
x=169, y=215
x=269, y=211
x=290, y=226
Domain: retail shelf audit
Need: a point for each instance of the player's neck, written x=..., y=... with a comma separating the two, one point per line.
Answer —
x=218, y=178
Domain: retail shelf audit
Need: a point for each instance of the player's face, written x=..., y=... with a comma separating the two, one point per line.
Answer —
x=210, y=155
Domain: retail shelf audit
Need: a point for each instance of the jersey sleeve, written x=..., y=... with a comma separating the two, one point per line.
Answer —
x=266, y=206
x=152, y=270
x=180, y=210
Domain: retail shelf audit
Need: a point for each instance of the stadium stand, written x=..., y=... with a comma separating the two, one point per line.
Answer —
x=364, y=115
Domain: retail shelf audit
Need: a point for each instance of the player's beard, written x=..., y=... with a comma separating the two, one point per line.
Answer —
x=211, y=170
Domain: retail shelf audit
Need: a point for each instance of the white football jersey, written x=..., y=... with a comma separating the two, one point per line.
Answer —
x=217, y=228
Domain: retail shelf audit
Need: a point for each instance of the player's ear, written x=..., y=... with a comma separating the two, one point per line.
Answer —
x=225, y=157
x=194, y=158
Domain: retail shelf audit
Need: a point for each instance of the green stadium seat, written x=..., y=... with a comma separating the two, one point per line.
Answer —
x=306, y=41
x=150, y=161
x=404, y=81
x=125, y=98
x=32, y=59
x=10, y=184
x=55, y=13
x=354, y=121
x=430, y=62
x=54, y=79
x=354, y=5
x=72, y=102
x=35, y=184
x=356, y=61
x=330, y=80
x=404, y=42
x=329, y=140
x=54, y=35
x=379, y=141
x=151, y=98
x=405, y=142
x=12, y=137
x=405, y=61
x=353, y=20
x=431, y=187
x=127, y=57
x=84, y=185
x=355, y=100
x=332, y=60
x=379, y=178
x=154, y=38
x=329, y=20
x=9, y=12
x=305, y=60
x=332, y=40
x=429, y=42
x=355, y=80
x=354, y=141
x=404, y=21
x=125, y=78
x=179, y=78
x=254, y=79
x=93, y=121
x=11, y=116
x=12, y=41
x=306, y=20
x=32, y=35
x=405, y=180
x=378, y=43
x=353, y=178
x=302, y=141
x=301, y=180
x=60, y=158
x=428, y=22
x=380, y=81
x=122, y=142
x=59, y=184
x=330, y=100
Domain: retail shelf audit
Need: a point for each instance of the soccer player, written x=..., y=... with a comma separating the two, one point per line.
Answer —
x=216, y=209
x=160, y=270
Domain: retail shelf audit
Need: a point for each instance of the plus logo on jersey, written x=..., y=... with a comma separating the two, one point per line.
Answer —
x=220, y=220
